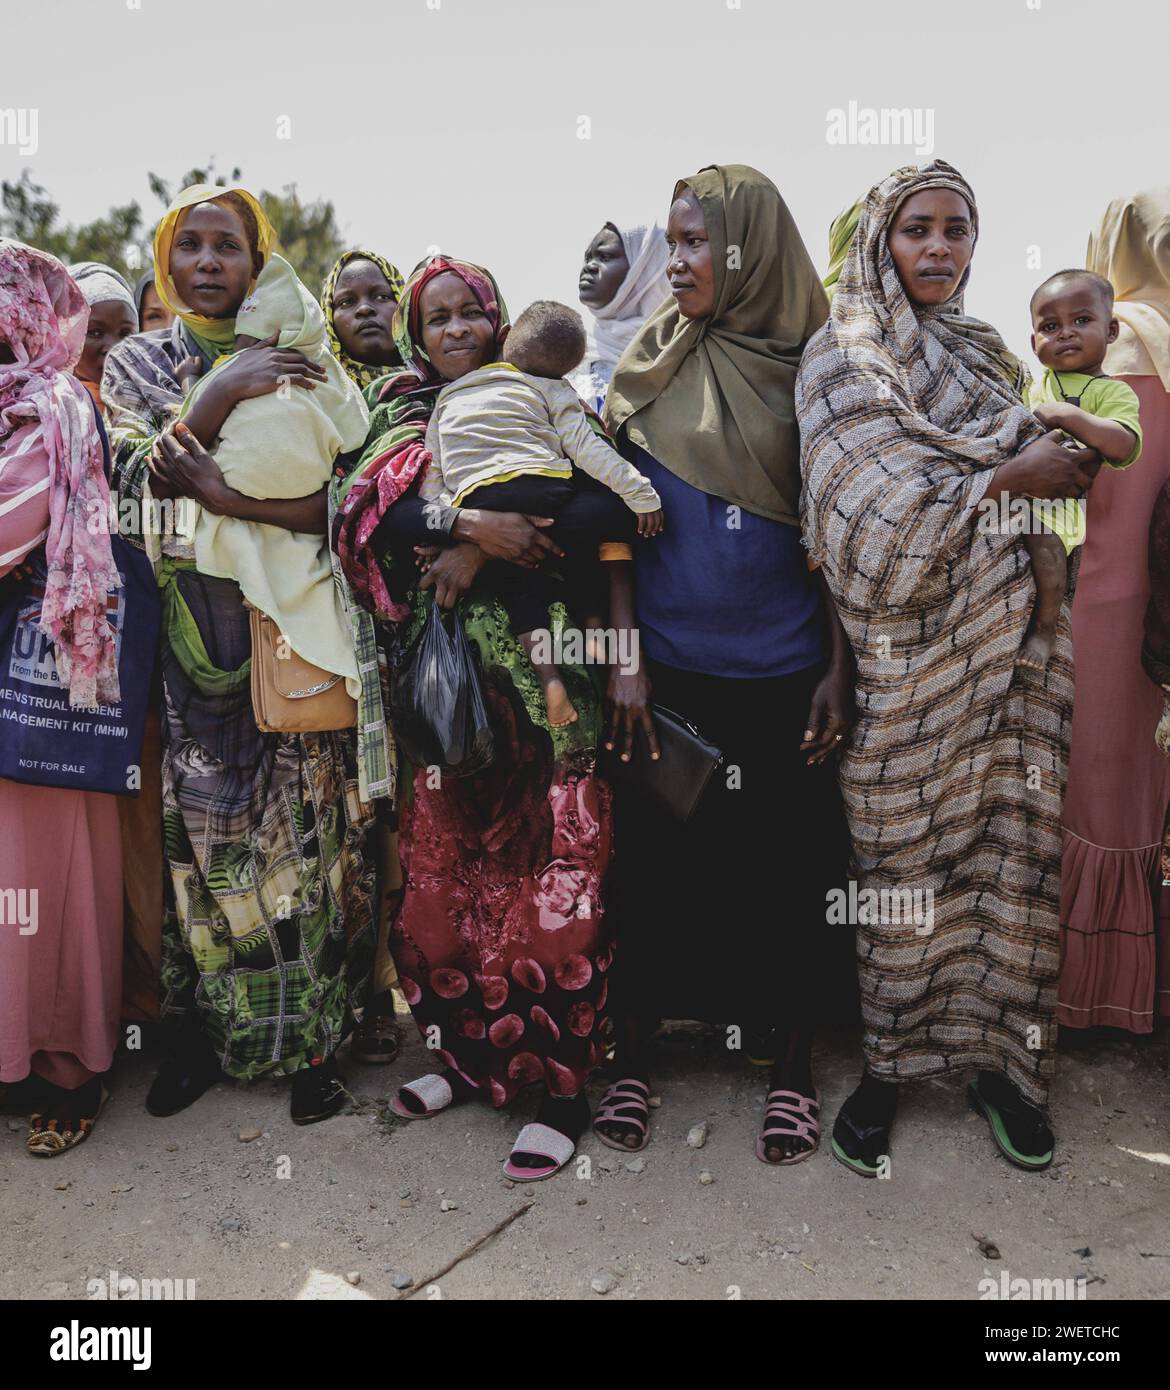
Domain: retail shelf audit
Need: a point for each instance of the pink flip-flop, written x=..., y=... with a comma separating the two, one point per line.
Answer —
x=433, y=1090
x=620, y=1097
x=790, y=1119
x=542, y=1141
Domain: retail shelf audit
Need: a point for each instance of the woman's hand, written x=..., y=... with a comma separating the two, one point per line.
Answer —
x=510, y=536
x=1046, y=468
x=260, y=370
x=426, y=555
x=452, y=572
x=188, y=470
x=628, y=709
x=831, y=712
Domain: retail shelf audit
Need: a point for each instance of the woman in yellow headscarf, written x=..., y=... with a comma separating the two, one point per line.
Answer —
x=1115, y=910
x=267, y=836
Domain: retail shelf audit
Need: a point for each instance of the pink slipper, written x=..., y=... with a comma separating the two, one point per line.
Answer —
x=541, y=1141
x=790, y=1119
x=433, y=1090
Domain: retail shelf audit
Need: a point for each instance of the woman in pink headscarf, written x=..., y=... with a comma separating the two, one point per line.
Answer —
x=61, y=867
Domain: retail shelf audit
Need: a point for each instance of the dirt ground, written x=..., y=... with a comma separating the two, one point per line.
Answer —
x=349, y=1208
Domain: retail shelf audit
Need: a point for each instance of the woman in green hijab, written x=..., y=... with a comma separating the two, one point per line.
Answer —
x=739, y=637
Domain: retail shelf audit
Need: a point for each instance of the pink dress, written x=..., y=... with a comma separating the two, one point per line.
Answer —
x=60, y=985
x=1115, y=916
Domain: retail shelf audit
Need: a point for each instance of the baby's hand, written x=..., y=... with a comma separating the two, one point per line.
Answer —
x=650, y=523
x=189, y=371
x=1052, y=415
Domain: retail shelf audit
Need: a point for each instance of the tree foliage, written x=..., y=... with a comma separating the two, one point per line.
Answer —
x=308, y=235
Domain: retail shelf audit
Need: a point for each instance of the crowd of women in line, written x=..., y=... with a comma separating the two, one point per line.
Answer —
x=822, y=605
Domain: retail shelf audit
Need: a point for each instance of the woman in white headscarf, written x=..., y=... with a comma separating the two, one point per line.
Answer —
x=622, y=281
x=113, y=315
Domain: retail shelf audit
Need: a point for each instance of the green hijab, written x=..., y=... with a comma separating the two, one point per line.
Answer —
x=712, y=399
x=841, y=235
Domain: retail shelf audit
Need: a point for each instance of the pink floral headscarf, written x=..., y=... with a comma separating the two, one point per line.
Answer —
x=43, y=318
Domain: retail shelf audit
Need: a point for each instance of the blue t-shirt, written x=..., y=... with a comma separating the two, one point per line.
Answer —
x=721, y=590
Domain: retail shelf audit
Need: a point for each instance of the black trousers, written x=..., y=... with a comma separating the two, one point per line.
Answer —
x=585, y=513
x=724, y=919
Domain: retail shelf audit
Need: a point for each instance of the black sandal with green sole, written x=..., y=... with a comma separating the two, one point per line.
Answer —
x=871, y=1144
x=993, y=1114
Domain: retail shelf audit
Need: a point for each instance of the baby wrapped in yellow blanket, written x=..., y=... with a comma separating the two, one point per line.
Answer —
x=284, y=445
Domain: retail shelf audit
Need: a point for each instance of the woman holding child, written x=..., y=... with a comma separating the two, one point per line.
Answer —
x=724, y=919
x=500, y=942
x=911, y=415
x=272, y=875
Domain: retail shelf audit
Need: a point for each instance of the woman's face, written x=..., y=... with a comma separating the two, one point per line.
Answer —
x=931, y=240
x=155, y=313
x=109, y=322
x=212, y=263
x=363, y=310
x=689, y=269
x=456, y=331
x=606, y=266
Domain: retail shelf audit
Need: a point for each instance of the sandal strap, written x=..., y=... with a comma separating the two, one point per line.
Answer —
x=379, y=1026
x=617, y=1099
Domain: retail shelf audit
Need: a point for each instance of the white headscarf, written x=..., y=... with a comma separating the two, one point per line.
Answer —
x=101, y=284
x=610, y=329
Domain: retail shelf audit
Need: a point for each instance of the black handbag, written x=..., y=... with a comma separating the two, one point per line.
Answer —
x=675, y=783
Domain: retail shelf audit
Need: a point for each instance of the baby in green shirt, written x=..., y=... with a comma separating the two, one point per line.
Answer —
x=1072, y=326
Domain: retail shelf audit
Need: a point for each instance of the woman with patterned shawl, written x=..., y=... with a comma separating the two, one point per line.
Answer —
x=358, y=299
x=500, y=942
x=911, y=415
x=267, y=942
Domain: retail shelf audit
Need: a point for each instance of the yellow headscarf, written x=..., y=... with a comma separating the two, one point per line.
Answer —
x=215, y=336
x=1132, y=251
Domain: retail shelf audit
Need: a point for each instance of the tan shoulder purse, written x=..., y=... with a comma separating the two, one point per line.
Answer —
x=289, y=694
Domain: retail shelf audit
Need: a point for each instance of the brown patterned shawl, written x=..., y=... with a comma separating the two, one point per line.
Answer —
x=954, y=777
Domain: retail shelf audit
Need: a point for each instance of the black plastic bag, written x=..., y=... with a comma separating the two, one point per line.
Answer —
x=437, y=704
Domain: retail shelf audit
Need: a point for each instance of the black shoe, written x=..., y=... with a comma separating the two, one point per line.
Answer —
x=318, y=1092
x=183, y=1078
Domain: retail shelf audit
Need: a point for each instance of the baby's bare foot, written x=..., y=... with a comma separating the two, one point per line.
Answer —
x=1038, y=646
x=561, y=712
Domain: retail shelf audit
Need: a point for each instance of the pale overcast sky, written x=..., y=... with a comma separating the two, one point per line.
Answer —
x=456, y=122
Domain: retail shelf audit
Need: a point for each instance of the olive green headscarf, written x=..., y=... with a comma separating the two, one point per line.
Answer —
x=841, y=235
x=711, y=399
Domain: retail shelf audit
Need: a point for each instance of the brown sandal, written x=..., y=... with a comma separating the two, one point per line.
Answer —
x=377, y=1039
x=46, y=1139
